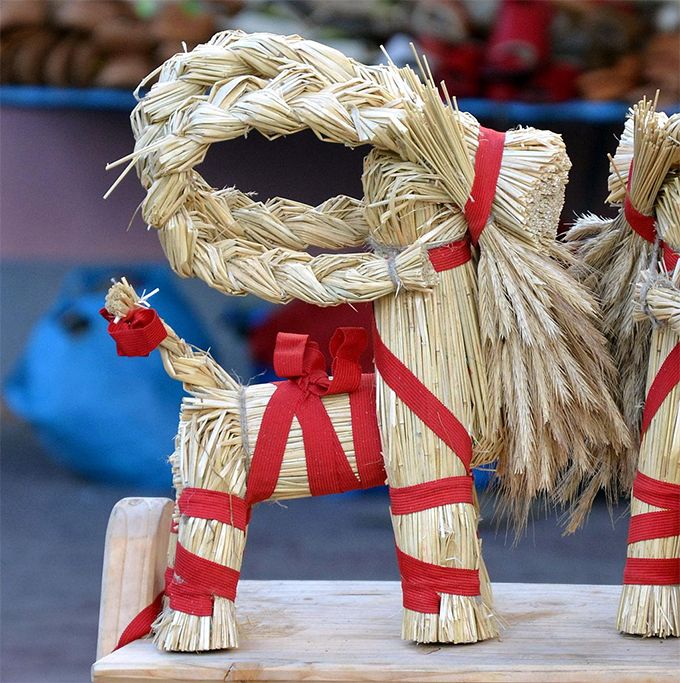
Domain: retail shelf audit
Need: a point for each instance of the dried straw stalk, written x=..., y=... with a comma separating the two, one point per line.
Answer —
x=211, y=452
x=518, y=357
x=610, y=255
x=655, y=610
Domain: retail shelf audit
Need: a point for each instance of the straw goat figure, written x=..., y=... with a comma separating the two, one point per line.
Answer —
x=486, y=349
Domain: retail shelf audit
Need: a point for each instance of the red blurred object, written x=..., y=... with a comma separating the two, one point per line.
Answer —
x=457, y=65
x=520, y=41
x=318, y=323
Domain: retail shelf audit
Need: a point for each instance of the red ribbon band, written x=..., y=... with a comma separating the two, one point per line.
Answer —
x=488, y=160
x=207, y=504
x=138, y=333
x=645, y=226
x=446, y=491
x=423, y=582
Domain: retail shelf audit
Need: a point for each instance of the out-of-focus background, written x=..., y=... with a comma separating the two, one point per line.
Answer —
x=82, y=428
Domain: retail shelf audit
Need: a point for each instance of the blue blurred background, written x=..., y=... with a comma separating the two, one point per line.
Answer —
x=82, y=427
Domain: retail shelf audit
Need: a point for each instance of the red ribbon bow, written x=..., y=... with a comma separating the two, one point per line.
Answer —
x=302, y=362
x=138, y=333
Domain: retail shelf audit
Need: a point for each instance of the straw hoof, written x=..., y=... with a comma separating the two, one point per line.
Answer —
x=176, y=631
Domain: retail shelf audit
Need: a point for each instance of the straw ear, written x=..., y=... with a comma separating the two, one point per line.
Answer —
x=196, y=369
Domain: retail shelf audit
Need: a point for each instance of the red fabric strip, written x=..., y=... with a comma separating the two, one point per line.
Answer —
x=423, y=582
x=140, y=626
x=661, y=494
x=328, y=469
x=196, y=581
x=670, y=257
x=419, y=497
x=366, y=435
x=488, y=161
x=450, y=255
x=667, y=378
x=207, y=504
x=271, y=442
x=645, y=226
x=649, y=525
x=421, y=401
x=138, y=333
x=652, y=571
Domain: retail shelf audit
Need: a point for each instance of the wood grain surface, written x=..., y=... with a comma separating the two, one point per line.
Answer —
x=349, y=631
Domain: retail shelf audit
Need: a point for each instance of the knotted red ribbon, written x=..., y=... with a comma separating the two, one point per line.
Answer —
x=138, y=333
x=328, y=469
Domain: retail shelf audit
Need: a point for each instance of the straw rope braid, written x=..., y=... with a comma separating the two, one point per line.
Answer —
x=650, y=600
x=279, y=85
x=612, y=253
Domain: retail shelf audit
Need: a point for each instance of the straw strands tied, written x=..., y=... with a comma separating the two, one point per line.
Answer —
x=213, y=452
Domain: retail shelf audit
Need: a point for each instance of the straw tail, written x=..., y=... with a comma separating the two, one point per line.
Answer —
x=550, y=378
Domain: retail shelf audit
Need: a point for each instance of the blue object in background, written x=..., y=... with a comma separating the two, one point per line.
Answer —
x=109, y=418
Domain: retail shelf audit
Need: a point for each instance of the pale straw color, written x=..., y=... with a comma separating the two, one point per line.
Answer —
x=507, y=342
x=655, y=610
x=610, y=254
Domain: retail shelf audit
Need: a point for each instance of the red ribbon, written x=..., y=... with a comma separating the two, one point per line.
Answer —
x=328, y=470
x=645, y=225
x=665, y=381
x=450, y=255
x=138, y=333
x=419, y=497
x=196, y=581
x=423, y=582
x=488, y=160
x=663, y=523
x=207, y=504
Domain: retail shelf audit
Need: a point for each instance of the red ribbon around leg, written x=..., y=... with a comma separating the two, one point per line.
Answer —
x=665, y=522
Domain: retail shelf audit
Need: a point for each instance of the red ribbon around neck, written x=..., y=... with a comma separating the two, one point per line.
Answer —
x=138, y=333
x=645, y=226
x=488, y=160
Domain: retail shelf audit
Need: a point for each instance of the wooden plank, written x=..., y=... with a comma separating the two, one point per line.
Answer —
x=134, y=561
x=349, y=631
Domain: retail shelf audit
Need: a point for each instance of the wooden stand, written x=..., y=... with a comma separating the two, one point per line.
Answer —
x=349, y=631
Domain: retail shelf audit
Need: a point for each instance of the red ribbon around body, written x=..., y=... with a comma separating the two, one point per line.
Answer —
x=138, y=333
x=665, y=522
x=328, y=469
x=488, y=161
